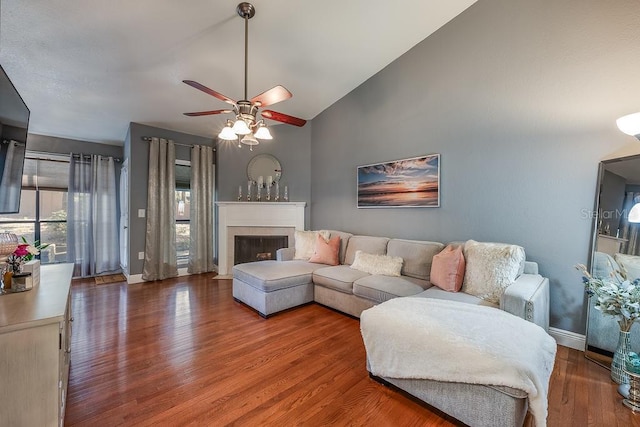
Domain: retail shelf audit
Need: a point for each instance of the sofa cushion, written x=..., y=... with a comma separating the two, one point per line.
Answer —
x=340, y=277
x=368, y=244
x=273, y=275
x=305, y=243
x=344, y=241
x=417, y=256
x=491, y=268
x=447, y=269
x=437, y=293
x=380, y=288
x=377, y=264
x=326, y=252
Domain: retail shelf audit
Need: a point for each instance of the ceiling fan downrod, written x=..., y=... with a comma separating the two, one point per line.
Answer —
x=246, y=11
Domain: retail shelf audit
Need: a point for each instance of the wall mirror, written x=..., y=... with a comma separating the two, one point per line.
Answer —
x=615, y=241
x=265, y=166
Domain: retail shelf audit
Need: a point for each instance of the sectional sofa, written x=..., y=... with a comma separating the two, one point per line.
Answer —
x=273, y=286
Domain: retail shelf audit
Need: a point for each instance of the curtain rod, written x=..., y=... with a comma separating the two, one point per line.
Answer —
x=42, y=155
x=148, y=139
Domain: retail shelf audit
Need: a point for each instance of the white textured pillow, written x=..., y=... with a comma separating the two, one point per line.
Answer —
x=491, y=268
x=377, y=264
x=305, y=242
x=630, y=264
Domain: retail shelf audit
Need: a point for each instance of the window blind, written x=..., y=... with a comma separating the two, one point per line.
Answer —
x=46, y=173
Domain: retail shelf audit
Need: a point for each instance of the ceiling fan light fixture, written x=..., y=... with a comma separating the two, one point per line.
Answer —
x=263, y=132
x=246, y=110
x=227, y=134
x=250, y=140
x=240, y=127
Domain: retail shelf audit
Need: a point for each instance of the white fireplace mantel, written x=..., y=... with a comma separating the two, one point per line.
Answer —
x=259, y=215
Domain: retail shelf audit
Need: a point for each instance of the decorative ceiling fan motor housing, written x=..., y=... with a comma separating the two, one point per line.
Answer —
x=246, y=111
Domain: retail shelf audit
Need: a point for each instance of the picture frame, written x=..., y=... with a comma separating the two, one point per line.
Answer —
x=406, y=183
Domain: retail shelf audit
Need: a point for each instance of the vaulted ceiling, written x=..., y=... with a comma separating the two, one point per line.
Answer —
x=86, y=68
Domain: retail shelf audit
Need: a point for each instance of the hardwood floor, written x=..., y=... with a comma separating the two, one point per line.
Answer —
x=182, y=352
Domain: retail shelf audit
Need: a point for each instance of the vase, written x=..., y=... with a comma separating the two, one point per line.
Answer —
x=618, y=373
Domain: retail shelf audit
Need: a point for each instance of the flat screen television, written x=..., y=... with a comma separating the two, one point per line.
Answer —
x=14, y=123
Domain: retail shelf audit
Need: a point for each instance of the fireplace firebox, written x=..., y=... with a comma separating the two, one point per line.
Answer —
x=257, y=248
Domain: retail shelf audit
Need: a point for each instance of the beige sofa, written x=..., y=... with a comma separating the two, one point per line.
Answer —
x=273, y=286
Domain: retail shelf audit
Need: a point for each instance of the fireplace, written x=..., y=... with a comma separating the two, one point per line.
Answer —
x=254, y=219
x=257, y=248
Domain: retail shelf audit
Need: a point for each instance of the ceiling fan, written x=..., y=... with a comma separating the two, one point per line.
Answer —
x=246, y=125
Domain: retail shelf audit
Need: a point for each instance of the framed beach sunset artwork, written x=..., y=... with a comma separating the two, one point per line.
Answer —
x=404, y=183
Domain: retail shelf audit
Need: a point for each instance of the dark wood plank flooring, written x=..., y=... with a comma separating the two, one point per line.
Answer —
x=182, y=352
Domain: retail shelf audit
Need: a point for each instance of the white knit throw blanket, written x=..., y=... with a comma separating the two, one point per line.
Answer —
x=457, y=342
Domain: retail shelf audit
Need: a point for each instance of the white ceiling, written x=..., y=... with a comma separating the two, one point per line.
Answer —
x=86, y=68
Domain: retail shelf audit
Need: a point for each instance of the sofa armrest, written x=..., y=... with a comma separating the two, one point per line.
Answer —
x=285, y=254
x=528, y=298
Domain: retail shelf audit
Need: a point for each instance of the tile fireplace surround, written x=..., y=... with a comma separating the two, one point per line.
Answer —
x=254, y=219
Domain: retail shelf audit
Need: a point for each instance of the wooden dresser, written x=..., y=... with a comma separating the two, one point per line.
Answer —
x=35, y=345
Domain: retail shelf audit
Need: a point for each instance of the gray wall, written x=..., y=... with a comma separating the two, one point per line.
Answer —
x=137, y=151
x=520, y=98
x=290, y=145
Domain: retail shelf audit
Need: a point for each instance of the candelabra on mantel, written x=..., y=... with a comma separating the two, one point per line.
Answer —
x=260, y=184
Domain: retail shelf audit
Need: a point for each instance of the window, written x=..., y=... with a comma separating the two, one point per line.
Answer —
x=183, y=197
x=43, y=206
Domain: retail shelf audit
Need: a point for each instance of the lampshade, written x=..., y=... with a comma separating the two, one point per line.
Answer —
x=241, y=128
x=634, y=213
x=250, y=140
x=263, y=132
x=227, y=134
x=630, y=124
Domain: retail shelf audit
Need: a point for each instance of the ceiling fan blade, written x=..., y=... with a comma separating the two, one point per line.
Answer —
x=211, y=92
x=284, y=118
x=207, y=113
x=272, y=96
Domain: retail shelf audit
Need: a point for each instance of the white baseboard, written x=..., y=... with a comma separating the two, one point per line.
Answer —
x=134, y=278
x=568, y=338
x=137, y=278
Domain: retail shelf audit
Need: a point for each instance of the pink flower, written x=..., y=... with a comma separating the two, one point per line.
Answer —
x=21, y=250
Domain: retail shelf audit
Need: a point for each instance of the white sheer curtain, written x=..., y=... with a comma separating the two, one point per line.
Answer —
x=92, y=217
x=201, y=248
x=160, y=260
x=11, y=180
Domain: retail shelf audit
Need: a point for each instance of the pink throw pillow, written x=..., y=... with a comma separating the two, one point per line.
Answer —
x=447, y=269
x=326, y=252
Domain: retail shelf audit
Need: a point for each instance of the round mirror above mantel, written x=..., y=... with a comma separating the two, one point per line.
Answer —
x=263, y=166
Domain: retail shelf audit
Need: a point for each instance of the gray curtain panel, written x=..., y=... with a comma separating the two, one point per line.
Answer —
x=160, y=261
x=92, y=225
x=630, y=231
x=201, y=248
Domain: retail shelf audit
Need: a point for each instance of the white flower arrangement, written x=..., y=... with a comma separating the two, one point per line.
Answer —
x=614, y=296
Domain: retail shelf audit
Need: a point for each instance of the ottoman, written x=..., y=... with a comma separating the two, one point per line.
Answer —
x=273, y=286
